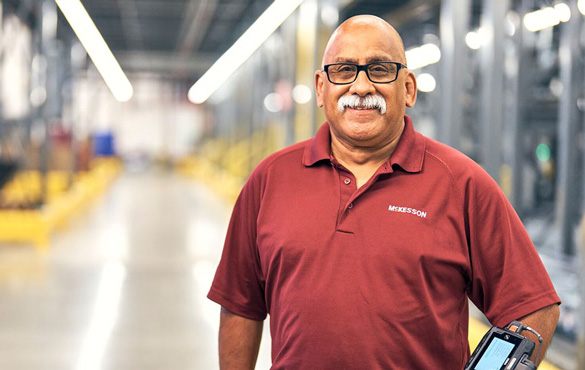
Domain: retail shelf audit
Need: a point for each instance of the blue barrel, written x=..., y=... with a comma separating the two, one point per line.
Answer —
x=103, y=144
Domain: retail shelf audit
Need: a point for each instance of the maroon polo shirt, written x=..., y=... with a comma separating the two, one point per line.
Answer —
x=376, y=277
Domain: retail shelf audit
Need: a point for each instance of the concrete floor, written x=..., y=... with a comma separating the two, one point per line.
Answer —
x=123, y=287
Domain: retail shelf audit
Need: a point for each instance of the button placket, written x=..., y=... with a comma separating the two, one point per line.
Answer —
x=347, y=190
x=345, y=220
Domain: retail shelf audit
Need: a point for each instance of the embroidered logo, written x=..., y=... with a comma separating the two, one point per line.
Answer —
x=412, y=211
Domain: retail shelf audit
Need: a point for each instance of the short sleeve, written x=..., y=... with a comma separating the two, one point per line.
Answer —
x=238, y=285
x=508, y=279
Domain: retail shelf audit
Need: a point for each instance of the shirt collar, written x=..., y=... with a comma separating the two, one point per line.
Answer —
x=409, y=153
x=319, y=147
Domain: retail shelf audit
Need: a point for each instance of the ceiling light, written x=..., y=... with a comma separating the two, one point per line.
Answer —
x=581, y=6
x=541, y=19
x=329, y=15
x=97, y=49
x=242, y=49
x=422, y=56
x=273, y=102
x=302, y=94
x=563, y=12
x=547, y=17
x=473, y=40
x=426, y=82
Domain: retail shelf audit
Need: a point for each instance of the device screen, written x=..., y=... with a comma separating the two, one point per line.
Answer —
x=495, y=355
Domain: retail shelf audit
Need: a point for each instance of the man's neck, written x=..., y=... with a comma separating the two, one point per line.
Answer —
x=363, y=161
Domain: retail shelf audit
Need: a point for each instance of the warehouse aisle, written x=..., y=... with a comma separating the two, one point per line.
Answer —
x=123, y=287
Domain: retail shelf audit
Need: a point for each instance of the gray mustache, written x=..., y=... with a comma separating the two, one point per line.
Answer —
x=367, y=102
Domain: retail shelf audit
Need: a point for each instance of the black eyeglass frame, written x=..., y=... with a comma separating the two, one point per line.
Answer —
x=363, y=67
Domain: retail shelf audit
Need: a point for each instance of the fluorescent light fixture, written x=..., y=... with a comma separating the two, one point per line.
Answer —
x=97, y=49
x=541, y=19
x=422, y=56
x=242, y=49
x=563, y=12
x=581, y=6
x=547, y=17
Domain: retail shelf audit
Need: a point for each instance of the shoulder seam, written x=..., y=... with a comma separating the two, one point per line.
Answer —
x=270, y=159
x=451, y=178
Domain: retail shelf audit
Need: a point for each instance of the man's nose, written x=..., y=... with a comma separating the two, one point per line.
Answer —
x=362, y=85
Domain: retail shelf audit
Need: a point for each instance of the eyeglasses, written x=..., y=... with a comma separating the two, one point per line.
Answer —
x=378, y=72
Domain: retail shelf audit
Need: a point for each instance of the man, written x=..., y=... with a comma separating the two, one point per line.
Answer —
x=364, y=243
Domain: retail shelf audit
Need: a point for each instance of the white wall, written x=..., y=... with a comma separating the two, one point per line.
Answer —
x=157, y=120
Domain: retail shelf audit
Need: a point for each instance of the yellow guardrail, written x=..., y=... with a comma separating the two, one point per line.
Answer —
x=36, y=225
x=213, y=176
x=224, y=167
x=26, y=186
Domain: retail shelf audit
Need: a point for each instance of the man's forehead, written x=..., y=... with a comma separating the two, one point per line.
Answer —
x=382, y=39
x=340, y=51
x=371, y=57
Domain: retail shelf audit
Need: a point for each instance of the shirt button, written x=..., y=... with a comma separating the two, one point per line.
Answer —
x=350, y=206
x=347, y=181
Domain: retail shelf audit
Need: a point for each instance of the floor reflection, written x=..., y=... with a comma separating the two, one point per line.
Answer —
x=123, y=286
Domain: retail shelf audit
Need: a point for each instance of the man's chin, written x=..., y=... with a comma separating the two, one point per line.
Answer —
x=362, y=130
x=364, y=133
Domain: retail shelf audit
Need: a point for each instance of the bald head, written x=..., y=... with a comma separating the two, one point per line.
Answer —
x=367, y=23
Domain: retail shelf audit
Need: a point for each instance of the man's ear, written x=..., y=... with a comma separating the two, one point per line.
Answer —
x=411, y=90
x=319, y=87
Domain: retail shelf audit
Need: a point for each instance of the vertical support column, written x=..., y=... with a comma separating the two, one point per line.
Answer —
x=256, y=95
x=454, y=25
x=45, y=33
x=328, y=20
x=492, y=79
x=571, y=70
x=282, y=136
x=517, y=109
x=2, y=46
x=66, y=99
x=581, y=333
x=52, y=51
x=306, y=39
x=316, y=65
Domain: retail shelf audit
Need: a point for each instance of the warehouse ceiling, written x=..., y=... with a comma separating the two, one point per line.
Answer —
x=182, y=38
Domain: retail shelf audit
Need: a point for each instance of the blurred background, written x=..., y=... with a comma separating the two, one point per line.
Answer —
x=127, y=128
